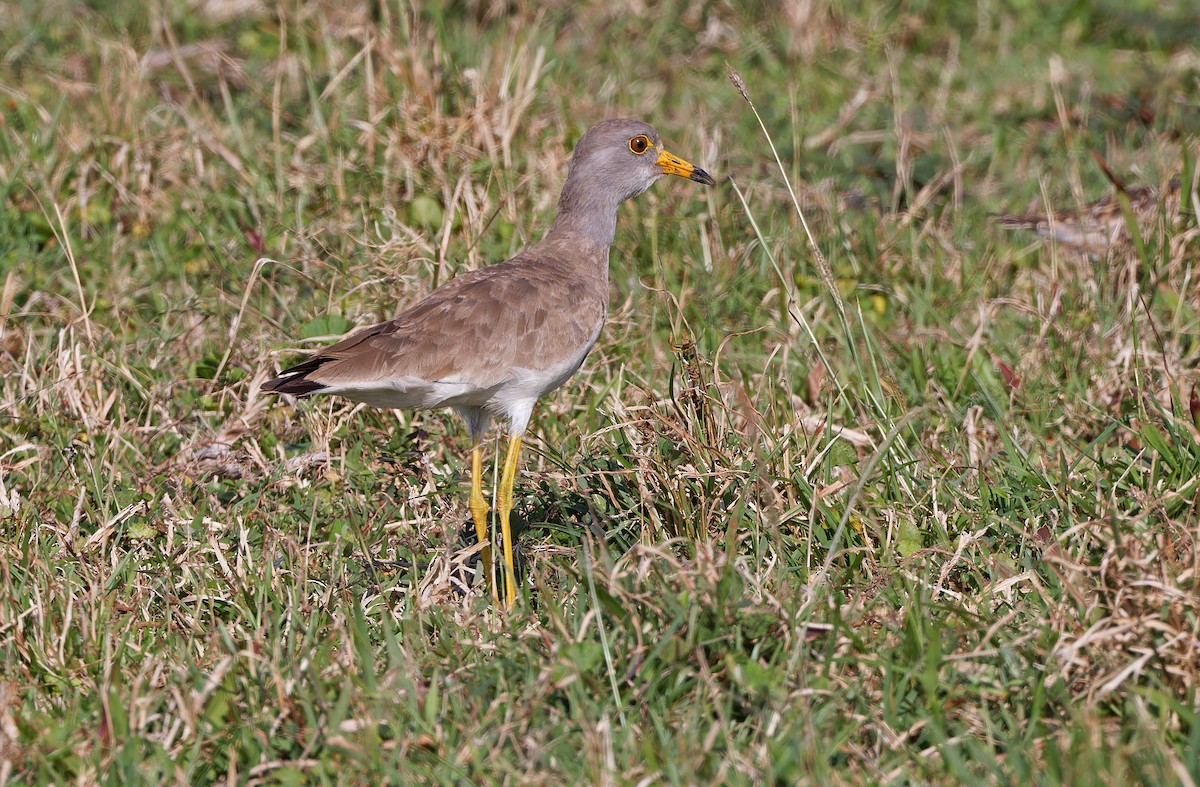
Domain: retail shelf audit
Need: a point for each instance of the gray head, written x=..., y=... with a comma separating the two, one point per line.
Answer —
x=615, y=160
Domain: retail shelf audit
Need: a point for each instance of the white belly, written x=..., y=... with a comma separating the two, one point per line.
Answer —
x=512, y=398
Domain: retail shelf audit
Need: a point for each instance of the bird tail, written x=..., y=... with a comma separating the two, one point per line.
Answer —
x=295, y=380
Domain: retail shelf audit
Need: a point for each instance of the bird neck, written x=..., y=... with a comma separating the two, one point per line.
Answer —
x=586, y=211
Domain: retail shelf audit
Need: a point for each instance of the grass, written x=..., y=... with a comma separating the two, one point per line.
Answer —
x=928, y=517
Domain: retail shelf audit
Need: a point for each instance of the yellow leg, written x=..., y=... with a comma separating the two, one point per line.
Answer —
x=504, y=502
x=479, y=512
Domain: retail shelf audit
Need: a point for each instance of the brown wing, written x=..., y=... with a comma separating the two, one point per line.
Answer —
x=530, y=312
x=1094, y=227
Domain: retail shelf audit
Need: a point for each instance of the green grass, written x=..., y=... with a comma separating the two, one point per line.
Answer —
x=948, y=536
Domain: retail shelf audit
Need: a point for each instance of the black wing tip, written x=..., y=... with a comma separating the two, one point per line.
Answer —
x=296, y=385
x=294, y=380
x=1017, y=221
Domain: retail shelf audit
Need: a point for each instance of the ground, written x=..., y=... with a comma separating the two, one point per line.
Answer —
x=857, y=486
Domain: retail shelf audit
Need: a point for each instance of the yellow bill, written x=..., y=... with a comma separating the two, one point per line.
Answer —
x=673, y=165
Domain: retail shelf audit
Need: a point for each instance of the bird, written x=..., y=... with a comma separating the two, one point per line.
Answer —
x=491, y=342
x=1098, y=226
x=1102, y=225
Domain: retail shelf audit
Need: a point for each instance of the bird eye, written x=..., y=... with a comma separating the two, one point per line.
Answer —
x=639, y=144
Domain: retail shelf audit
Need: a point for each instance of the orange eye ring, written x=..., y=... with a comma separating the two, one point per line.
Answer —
x=640, y=144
